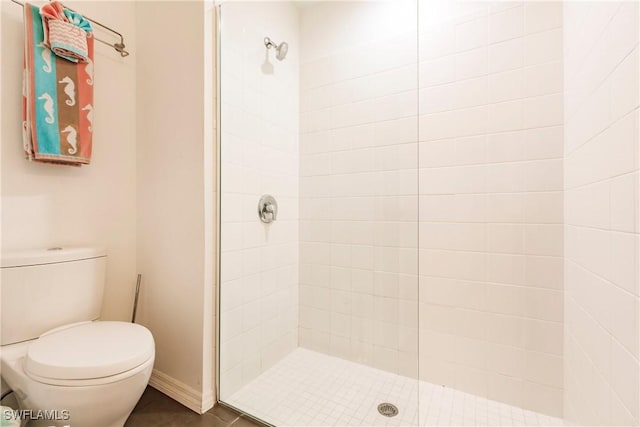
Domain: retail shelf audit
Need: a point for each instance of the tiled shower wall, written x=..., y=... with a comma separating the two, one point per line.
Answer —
x=601, y=213
x=259, y=155
x=488, y=106
x=491, y=233
x=358, y=183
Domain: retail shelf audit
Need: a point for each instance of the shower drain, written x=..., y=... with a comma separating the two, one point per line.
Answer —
x=388, y=409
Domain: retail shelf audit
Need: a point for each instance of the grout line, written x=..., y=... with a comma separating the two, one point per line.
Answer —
x=419, y=114
x=602, y=278
x=600, y=181
x=586, y=57
x=418, y=61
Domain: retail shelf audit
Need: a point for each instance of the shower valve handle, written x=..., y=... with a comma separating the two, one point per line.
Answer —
x=267, y=209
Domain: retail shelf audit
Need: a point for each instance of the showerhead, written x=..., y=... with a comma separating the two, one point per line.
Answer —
x=281, y=49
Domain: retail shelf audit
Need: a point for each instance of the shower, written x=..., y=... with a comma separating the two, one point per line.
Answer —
x=281, y=49
x=434, y=252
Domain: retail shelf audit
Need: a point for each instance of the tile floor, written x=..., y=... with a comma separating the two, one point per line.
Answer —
x=157, y=410
x=312, y=389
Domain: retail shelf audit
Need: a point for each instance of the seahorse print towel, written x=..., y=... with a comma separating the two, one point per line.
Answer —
x=57, y=100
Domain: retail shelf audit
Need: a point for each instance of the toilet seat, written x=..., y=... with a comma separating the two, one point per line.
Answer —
x=89, y=353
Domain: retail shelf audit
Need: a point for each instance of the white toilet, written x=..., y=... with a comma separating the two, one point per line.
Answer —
x=55, y=355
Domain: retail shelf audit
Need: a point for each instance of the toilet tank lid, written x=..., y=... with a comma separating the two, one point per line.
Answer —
x=28, y=257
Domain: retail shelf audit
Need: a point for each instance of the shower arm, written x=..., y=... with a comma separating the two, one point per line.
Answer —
x=269, y=43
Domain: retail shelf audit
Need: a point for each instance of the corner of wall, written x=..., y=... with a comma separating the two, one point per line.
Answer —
x=175, y=196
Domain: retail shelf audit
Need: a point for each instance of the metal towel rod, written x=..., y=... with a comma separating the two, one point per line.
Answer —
x=119, y=47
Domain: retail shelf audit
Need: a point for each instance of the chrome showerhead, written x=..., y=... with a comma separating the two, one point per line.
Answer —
x=281, y=49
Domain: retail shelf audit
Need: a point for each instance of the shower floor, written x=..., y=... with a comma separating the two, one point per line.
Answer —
x=312, y=389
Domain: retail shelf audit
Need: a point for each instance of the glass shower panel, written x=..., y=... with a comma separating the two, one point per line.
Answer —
x=258, y=157
x=319, y=304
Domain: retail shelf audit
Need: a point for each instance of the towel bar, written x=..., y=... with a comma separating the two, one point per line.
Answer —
x=119, y=47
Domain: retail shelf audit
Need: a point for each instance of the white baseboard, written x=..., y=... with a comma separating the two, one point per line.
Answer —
x=208, y=400
x=180, y=392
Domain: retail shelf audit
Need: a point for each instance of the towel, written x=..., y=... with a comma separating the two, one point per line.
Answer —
x=57, y=100
x=65, y=32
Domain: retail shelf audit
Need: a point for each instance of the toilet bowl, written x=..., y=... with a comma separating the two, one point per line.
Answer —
x=65, y=366
x=89, y=374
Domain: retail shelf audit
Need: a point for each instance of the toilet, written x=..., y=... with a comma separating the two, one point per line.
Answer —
x=66, y=367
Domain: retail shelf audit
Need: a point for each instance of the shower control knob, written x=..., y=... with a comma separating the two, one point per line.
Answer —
x=267, y=209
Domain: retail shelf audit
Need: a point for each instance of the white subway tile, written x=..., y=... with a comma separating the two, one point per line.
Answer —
x=437, y=71
x=504, y=208
x=543, y=47
x=544, y=304
x=624, y=318
x=452, y=264
x=505, y=268
x=542, y=15
x=619, y=413
x=624, y=378
x=505, y=360
x=542, y=398
x=506, y=116
x=499, y=6
x=543, y=111
x=505, y=25
x=506, y=389
x=505, y=238
x=505, y=330
x=472, y=63
x=471, y=380
x=471, y=34
x=506, y=86
x=437, y=41
x=543, y=239
x=543, y=207
x=544, y=272
x=507, y=55
x=544, y=369
x=625, y=250
x=543, y=336
x=625, y=92
x=469, y=10
x=447, y=124
x=624, y=199
x=542, y=175
x=438, y=98
x=505, y=299
x=543, y=143
x=543, y=79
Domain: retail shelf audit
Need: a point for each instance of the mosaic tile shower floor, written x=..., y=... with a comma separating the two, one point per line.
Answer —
x=312, y=389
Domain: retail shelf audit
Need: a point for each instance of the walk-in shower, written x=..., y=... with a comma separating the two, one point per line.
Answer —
x=453, y=181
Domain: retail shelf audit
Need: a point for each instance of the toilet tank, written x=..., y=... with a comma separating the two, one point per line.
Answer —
x=46, y=288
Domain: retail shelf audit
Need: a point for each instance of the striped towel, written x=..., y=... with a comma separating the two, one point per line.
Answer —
x=57, y=100
x=65, y=32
